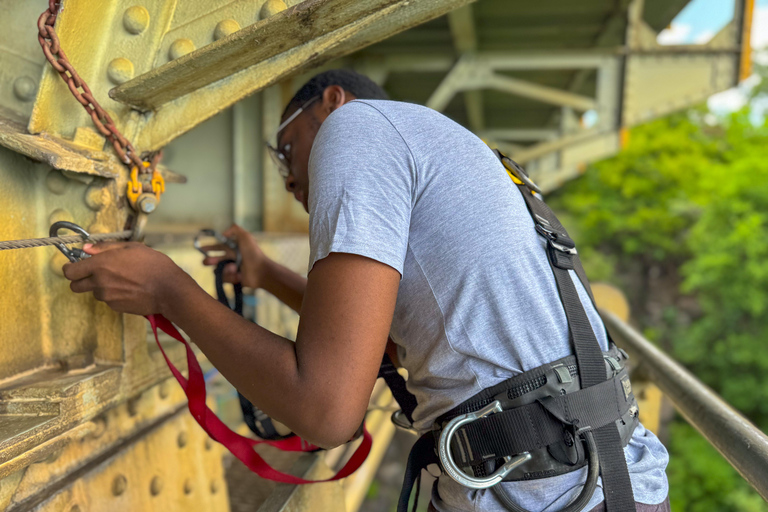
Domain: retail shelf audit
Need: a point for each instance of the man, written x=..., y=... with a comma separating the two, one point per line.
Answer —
x=416, y=232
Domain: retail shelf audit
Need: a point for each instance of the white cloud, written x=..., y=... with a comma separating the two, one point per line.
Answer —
x=733, y=99
x=677, y=33
x=703, y=37
x=727, y=101
x=760, y=27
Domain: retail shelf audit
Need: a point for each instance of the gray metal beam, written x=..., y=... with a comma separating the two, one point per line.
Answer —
x=462, y=24
x=538, y=92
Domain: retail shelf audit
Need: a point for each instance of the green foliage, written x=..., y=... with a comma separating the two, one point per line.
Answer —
x=701, y=480
x=688, y=200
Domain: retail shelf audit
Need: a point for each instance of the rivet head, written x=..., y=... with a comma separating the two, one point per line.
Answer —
x=58, y=215
x=96, y=196
x=25, y=88
x=136, y=19
x=163, y=390
x=208, y=443
x=99, y=427
x=224, y=28
x=120, y=70
x=133, y=406
x=187, y=486
x=214, y=486
x=119, y=485
x=271, y=7
x=57, y=182
x=182, y=439
x=156, y=485
x=97, y=228
x=180, y=47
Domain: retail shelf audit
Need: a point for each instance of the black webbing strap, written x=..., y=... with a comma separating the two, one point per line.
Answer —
x=218, y=272
x=563, y=257
x=422, y=455
x=396, y=383
x=539, y=424
x=259, y=423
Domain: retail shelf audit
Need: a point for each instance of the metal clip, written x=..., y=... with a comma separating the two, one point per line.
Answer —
x=74, y=255
x=229, y=242
x=450, y=467
x=518, y=172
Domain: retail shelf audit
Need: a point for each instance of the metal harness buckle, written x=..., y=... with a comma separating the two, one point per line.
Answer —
x=450, y=467
x=229, y=242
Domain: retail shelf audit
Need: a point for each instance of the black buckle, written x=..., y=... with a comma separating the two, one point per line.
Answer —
x=560, y=249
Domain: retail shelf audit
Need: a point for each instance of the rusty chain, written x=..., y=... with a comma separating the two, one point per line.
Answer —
x=49, y=41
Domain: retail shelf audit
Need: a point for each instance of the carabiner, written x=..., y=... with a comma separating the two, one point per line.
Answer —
x=450, y=467
x=229, y=242
x=74, y=255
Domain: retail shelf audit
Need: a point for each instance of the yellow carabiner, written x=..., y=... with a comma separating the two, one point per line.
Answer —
x=135, y=187
x=158, y=183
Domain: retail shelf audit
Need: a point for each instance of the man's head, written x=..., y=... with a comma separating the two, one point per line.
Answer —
x=304, y=114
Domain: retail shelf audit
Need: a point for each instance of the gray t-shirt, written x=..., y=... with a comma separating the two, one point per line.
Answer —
x=477, y=303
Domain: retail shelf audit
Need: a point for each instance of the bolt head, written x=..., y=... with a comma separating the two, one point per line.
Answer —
x=136, y=19
x=147, y=203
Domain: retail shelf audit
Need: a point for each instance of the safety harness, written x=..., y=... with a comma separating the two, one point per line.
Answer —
x=547, y=421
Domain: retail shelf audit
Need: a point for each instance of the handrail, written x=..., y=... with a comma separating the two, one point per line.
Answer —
x=736, y=438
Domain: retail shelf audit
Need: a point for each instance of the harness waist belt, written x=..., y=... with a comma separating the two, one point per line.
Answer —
x=544, y=411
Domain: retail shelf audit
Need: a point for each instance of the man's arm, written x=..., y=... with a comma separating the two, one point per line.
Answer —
x=318, y=386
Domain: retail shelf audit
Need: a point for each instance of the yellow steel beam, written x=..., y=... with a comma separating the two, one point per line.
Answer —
x=185, y=112
x=745, y=67
x=242, y=49
x=67, y=156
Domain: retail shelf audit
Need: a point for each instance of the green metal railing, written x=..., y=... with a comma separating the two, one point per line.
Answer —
x=735, y=437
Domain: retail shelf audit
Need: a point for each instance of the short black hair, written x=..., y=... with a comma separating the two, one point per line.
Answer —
x=359, y=85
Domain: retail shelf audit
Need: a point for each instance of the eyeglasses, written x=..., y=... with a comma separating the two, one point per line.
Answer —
x=282, y=157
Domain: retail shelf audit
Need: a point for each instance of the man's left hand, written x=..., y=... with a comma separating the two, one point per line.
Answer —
x=129, y=276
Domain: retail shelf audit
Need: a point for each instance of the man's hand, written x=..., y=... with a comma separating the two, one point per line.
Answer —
x=254, y=261
x=130, y=277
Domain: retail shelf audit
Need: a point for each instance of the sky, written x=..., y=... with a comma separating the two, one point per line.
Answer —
x=702, y=19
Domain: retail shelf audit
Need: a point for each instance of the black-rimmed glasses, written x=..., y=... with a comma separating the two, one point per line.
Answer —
x=282, y=156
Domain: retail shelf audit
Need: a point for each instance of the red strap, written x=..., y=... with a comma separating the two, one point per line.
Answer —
x=241, y=446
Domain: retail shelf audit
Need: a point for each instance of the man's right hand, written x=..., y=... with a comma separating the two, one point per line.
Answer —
x=253, y=263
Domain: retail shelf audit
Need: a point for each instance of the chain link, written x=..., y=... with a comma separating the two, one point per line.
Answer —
x=49, y=41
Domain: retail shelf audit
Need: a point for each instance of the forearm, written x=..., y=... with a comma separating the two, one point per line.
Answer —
x=260, y=364
x=283, y=283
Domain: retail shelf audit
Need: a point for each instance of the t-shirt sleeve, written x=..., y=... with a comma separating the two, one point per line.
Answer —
x=361, y=176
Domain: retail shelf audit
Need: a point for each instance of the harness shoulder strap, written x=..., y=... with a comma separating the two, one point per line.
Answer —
x=563, y=257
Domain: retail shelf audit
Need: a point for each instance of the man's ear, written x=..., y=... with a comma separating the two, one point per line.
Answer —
x=334, y=96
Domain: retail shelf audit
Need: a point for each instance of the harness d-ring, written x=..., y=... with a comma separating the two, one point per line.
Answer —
x=450, y=467
x=74, y=255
